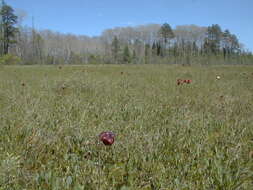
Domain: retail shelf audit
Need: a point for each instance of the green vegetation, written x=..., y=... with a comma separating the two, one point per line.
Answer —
x=191, y=136
x=9, y=59
x=194, y=133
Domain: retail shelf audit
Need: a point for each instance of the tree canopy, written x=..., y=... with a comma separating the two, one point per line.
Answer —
x=7, y=25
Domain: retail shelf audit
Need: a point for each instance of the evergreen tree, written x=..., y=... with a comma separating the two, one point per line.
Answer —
x=235, y=46
x=8, y=29
x=166, y=33
x=147, y=53
x=158, y=49
x=226, y=43
x=213, y=38
x=126, y=55
x=154, y=49
x=115, y=49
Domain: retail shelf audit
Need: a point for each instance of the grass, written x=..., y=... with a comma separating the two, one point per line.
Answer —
x=192, y=136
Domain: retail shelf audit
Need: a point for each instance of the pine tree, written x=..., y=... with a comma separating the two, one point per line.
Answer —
x=166, y=34
x=126, y=55
x=213, y=38
x=147, y=53
x=158, y=49
x=154, y=49
x=115, y=49
x=8, y=29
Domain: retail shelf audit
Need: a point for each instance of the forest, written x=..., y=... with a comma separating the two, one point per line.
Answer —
x=143, y=44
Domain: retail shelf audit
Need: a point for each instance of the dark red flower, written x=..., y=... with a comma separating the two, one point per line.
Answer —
x=107, y=138
x=188, y=81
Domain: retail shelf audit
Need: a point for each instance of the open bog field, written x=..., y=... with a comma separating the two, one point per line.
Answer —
x=168, y=136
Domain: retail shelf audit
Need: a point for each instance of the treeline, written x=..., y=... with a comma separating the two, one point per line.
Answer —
x=146, y=44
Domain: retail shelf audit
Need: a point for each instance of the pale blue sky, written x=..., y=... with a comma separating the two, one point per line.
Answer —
x=91, y=17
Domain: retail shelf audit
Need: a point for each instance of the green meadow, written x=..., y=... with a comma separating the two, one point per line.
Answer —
x=196, y=136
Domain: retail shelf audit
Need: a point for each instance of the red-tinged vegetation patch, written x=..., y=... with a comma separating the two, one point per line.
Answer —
x=179, y=81
x=188, y=81
x=182, y=81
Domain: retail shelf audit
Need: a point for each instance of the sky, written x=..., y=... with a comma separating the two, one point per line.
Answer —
x=91, y=17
